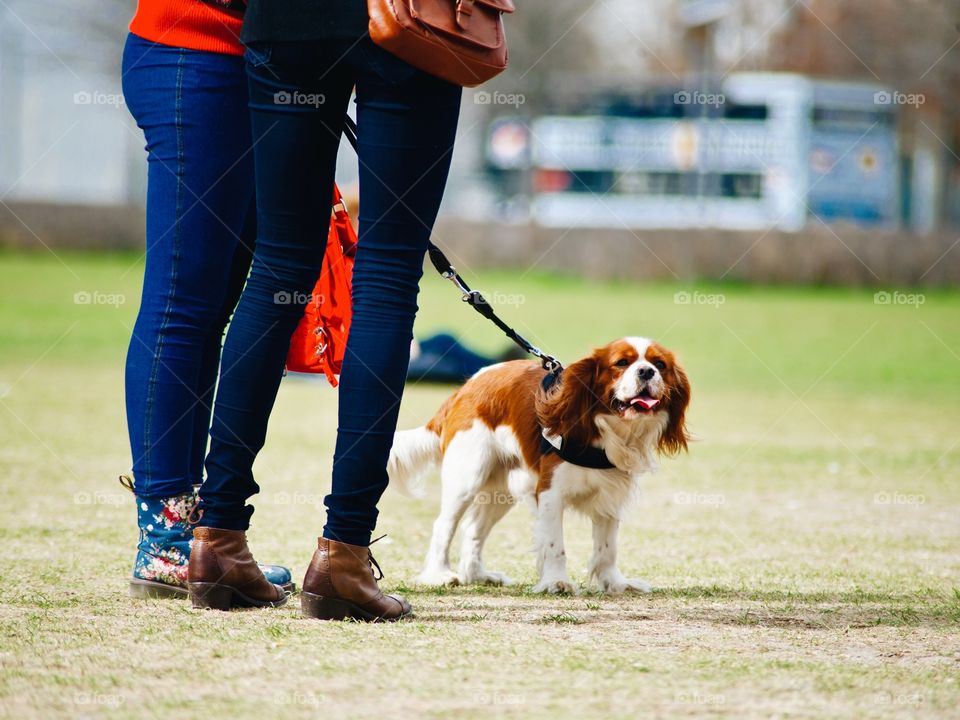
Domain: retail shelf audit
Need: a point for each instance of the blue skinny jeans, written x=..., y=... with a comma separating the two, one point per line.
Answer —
x=200, y=230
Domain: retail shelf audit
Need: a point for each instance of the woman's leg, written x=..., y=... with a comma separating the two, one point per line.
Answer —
x=192, y=108
x=212, y=348
x=297, y=106
x=407, y=125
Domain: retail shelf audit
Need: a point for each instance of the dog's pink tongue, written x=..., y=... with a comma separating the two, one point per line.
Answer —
x=647, y=402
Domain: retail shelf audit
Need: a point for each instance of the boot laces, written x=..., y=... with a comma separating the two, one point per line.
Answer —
x=378, y=575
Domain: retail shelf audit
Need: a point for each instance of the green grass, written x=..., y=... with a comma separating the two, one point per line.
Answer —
x=805, y=553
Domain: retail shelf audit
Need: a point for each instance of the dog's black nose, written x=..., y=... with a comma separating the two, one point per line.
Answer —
x=646, y=373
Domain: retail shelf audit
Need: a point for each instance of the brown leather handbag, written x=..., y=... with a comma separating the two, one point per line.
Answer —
x=461, y=41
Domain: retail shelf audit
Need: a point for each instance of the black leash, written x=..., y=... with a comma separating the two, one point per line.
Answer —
x=473, y=298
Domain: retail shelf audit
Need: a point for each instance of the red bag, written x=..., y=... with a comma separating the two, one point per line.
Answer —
x=319, y=342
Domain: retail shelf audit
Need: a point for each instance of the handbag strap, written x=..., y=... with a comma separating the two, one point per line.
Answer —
x=472, y=297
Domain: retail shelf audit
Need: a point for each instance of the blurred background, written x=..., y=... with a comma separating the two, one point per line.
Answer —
x=769, y=140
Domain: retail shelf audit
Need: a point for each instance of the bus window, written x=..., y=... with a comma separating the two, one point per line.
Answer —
x=849, y=117
x=732, y=111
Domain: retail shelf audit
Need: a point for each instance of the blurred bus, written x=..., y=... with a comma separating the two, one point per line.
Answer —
x=760, y=150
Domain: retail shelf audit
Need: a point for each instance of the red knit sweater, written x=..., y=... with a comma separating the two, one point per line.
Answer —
x=188, y=24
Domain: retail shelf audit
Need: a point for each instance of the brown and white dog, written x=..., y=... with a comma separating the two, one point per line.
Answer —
x=627, y=399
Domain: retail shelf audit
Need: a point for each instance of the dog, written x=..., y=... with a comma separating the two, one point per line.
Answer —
x=582, y=443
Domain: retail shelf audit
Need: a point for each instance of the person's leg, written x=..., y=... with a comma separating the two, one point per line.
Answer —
x=210, y=357
x=295, y=148
x=199, y=193
x=407, y=123
x=198, y=190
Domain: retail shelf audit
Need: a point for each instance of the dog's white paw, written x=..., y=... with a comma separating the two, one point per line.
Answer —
x=438, y=577
x=619, y=584
x=561, y=586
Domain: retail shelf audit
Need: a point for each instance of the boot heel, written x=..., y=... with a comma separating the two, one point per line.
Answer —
x=323, y=608
x=211, y=595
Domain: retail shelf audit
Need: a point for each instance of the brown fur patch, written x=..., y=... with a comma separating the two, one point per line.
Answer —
x=677, y=398
x=503, y=395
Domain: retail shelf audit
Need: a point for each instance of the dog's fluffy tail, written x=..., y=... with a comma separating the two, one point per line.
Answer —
x=414, y=452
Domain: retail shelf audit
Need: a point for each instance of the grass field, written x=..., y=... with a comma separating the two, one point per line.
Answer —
x=805, y=553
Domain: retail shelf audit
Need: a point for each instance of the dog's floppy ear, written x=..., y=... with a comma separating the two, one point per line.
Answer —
x=567, y=409
x=675, y=437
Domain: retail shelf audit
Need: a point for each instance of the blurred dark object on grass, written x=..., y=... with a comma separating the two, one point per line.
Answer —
x=442, y=358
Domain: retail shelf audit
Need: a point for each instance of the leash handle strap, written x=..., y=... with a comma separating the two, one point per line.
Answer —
x=472, y=297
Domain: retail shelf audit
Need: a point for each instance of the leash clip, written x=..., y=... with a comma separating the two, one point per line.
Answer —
x=473, y=297
x=551, y=364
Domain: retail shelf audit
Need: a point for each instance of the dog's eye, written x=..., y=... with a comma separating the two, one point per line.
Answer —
x=623, y=362
x=659, y=364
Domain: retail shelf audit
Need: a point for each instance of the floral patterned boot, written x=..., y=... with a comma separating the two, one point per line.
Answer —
x=163, y=554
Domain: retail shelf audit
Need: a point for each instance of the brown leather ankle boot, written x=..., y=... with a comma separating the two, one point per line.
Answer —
x=340, y=584
x=224, y=575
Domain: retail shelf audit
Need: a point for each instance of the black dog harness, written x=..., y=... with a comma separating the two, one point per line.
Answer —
x=584, y=455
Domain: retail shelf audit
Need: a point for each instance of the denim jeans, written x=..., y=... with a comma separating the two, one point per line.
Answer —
x=200, y=230
x=299, y=93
